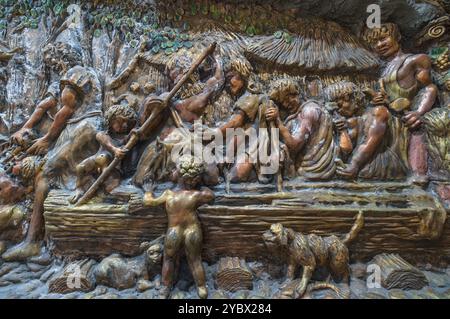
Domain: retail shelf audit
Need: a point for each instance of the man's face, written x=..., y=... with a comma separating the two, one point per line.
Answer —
x=291, y=102
x=386, y=46
x=347, y=107
x=121, y=125
x=236, y=85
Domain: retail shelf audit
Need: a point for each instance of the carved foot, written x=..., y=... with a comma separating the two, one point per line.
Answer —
x=164, y=293
x=22, y=251
x=202, y=292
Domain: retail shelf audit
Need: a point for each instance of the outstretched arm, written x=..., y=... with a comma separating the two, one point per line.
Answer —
x=69, y=100
x=149, y=200
x=44, y=106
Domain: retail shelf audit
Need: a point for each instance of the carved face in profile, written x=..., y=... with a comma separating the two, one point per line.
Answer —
x=386, y=46
x=291, y=102
x=235, y=83
x=347, y=105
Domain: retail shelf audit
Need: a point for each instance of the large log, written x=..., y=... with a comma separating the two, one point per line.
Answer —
x=397, y=273
x=233, y=274
x=399, y=218
x=76, y=276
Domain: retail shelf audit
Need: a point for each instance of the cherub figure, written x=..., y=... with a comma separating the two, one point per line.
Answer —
x=120, y=119
x=183, y=225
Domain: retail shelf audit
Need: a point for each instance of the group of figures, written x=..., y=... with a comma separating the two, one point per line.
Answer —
x=81, y=131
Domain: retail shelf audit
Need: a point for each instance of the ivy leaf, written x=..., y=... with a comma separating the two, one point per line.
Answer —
x=97, y=33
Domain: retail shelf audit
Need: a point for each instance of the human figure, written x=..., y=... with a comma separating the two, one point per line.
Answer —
x=363, y=135
x=58, y=59
x=184, y=229
x=410, y=92
x=306, y=131
x=120, y=119
x=72, y=137
x=189, y=110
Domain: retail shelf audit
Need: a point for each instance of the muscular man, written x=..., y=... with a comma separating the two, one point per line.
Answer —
x=362, y=135
x=72, y=135
x=306, y=131
x=184, y=228
x=58, y=59
x=409, y=91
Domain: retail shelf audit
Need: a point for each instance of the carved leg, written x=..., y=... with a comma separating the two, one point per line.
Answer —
x=193, y=246
x=172, y=245
x=301, y=288
x=83, y=170
x=31, y=246
x=417, y=156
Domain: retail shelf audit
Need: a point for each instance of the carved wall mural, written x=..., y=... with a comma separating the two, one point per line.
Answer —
x=221, y=149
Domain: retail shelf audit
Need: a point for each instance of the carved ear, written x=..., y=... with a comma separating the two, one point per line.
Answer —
x=284, y=237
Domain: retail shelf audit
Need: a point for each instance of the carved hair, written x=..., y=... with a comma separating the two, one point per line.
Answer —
x=120, y=110
x=371, y=36
x=189, y=167
x=280, y=88
x=66, y=55
x=30, y=166
x=337, y=90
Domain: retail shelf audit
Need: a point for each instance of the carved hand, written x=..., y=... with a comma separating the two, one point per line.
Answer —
x=272, y=114
x=18, y=136
x=340, y=123
x=39, y=147
x=120, y=152
x=380, y=98
x=412, y=119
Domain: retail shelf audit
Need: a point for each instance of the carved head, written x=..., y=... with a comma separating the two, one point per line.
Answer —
x=190, y=171
x=286, y=93
x=237, y=78
x=235, y=82
x=384, y=40
x=10, y=191
x=60, y=57
x=120, y=118
x=276, y=237
x=347, y=96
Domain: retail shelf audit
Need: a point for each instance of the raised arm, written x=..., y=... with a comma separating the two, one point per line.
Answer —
x=192, y=108
x=149, y=200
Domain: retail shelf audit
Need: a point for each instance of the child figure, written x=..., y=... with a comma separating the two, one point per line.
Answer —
x=120, y=119
x=183, y=225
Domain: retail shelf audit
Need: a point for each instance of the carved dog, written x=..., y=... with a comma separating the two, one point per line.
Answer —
x=312, y=251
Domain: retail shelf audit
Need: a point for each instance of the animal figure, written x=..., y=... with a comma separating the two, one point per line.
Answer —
x=312, y=251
